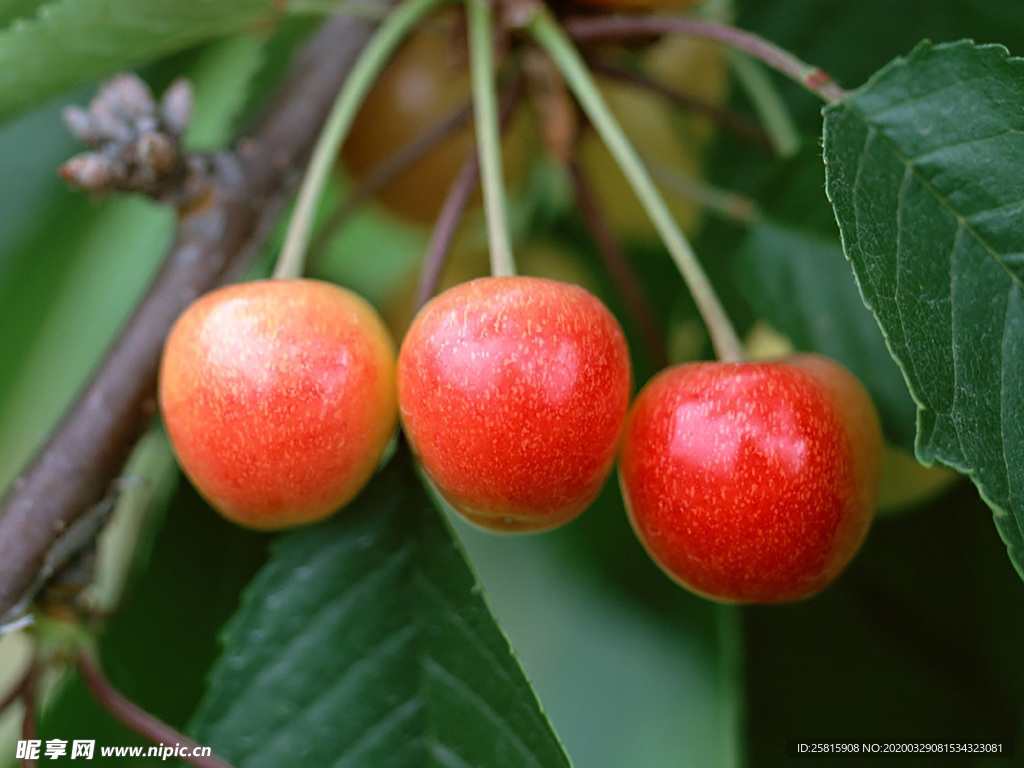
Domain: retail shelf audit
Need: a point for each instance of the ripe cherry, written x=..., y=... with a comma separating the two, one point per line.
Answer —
x=752, y=482
x=513, y=392
x=279, y=398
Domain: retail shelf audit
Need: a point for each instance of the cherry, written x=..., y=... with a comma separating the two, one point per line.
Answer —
x=752, y=482
x=513, y=392
x=279, y=398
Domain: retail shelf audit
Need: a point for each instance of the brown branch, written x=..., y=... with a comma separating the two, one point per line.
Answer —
x=214, y=240
x=139, y=720
x=448, y=220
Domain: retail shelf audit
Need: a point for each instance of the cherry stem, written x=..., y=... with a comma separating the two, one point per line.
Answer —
x=392, y=168
x=767, y=102
x=730, y=121
x=549, y=35
x=488, y=138
x=444, y=230
x=814, y=79
x=136, y=718
x=368, y=66
x=617, y=264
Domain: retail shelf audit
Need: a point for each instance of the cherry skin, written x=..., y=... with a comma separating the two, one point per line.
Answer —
x=752, y=482
x=513, y=392
x=279, y=398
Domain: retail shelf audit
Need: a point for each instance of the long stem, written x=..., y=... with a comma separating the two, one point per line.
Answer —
x=768, y=103
x=136, y=718
x=814, y=79
x=550, y=36
x=444, y=231
x=371, y=61
x=488, y=135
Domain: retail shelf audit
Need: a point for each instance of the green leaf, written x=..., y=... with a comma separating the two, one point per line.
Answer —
x=923, y=169
x=71, y=42
x=801, y=284
x=365, y=641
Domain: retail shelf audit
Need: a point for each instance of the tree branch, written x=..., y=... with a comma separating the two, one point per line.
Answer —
x=215, y=239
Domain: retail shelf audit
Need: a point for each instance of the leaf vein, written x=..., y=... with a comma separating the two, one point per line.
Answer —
x=459, y=686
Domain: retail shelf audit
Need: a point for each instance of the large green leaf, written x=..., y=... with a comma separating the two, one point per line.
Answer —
x=924, y=171
x=365, y=641
x=71, y=42
x=802, y=285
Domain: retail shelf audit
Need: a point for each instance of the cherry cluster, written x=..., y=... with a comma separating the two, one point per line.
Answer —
x=746, y=482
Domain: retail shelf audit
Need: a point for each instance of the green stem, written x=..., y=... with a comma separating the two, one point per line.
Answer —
x=549, y=35
x=767, y=102
x=488, y=135
x=406, y=15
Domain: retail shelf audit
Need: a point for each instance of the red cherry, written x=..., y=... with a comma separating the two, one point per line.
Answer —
x=513, y=392
x=752, y=482
x=279, y=398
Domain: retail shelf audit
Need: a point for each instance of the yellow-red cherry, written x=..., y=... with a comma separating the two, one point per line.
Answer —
x=752, y=482
x=279, y=398
x=513, y=392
